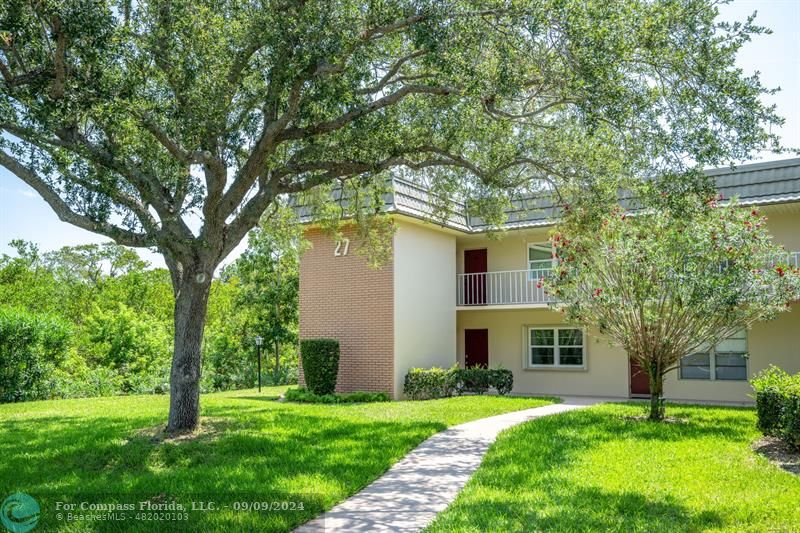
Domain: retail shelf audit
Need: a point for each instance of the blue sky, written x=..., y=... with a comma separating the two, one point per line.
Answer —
x=23, y=215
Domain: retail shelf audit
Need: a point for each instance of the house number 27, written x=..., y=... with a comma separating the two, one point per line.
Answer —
x=342, y=247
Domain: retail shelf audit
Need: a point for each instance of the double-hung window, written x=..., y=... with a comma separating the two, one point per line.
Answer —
x=556, y=347
x=727, y=361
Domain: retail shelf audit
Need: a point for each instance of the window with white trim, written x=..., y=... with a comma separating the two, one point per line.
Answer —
x=540, y=260
x=727, y=361
x=556, y=347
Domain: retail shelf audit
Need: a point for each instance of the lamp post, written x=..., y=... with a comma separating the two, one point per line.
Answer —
x=259, y=340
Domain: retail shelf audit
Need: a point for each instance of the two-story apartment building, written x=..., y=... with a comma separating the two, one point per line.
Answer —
x=451, y=294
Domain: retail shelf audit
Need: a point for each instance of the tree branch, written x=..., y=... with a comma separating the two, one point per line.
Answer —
x=119, y=235
x=254, y=166
x=360, y=111
x=387, y=78
x=161, y=136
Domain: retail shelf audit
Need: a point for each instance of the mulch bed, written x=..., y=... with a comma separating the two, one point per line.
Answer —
x=779, y=453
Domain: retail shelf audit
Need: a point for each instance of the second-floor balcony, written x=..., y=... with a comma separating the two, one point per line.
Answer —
x=524, y=287
x=508, y=287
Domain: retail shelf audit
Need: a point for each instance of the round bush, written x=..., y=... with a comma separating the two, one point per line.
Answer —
x=320, y=359
x=502, y=379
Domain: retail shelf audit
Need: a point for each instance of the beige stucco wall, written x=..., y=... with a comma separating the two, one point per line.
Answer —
x=775, y=342
x=508, y=251
x=424, y=299
x=783, y=222
x=606, y=371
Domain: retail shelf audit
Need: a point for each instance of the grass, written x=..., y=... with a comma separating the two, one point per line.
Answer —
x=254, y=449
x=595, y=470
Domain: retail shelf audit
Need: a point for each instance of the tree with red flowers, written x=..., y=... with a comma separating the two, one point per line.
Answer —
x=669, y=278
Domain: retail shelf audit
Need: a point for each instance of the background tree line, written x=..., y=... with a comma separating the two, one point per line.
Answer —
x=94, y=320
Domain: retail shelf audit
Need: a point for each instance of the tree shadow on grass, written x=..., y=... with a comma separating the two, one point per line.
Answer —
x=281, y=455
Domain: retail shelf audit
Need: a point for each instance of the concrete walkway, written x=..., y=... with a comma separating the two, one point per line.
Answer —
x=422, y=484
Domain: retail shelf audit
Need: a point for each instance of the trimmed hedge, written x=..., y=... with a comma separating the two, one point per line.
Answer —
x=474, y=380
x=424, y=384
x=502, y=379
x=303, y=395
x=320, y=359
x=777, y=397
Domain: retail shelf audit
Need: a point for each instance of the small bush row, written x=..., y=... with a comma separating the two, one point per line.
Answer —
x=777, y=397
x=424, y=384
x=303, y=395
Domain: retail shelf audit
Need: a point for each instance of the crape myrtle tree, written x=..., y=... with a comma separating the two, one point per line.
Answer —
x=679, y=274
x=174, y=125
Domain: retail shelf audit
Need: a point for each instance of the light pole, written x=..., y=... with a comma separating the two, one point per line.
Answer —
x=259, y=340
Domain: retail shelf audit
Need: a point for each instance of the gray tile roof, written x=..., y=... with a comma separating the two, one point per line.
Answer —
x=771, y=182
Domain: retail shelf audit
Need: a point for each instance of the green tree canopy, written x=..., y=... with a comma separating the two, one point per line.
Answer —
x=175, y=124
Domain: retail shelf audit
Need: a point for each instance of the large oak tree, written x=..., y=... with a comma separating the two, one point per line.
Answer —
x=176, y=124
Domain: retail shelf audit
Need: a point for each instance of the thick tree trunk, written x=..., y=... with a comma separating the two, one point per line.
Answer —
x=656, y=393
x=191, y=306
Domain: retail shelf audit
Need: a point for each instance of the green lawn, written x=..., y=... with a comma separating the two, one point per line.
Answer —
x=593, y=470
x=90, y=450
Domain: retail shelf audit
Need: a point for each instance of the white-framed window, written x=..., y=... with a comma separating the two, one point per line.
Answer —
x=540, y=260
x=556, y=347
x=727, y=361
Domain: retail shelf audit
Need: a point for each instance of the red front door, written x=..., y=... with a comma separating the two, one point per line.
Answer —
x=640, y=382
x=475, y=277
x=476, y=348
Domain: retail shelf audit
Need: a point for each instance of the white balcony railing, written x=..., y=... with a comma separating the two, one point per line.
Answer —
x=792, y=258
x=508, y=287
x=523, y=287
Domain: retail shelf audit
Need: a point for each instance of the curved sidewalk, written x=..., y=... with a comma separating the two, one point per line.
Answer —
x=422, y=484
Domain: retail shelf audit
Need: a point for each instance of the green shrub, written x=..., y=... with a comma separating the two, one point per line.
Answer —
x=778, y=404
x=502, y=379
x=769, y=408
x=320, y=359
x=425, y=384
x=769, y=386
x=31, y=346
x=303, y=395
x=791, y=419
x=474, y=380
x=136, y=347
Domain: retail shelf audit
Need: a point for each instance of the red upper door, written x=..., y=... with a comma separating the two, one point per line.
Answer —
x=475, y=277
x=476, y=348
x=640, y=382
